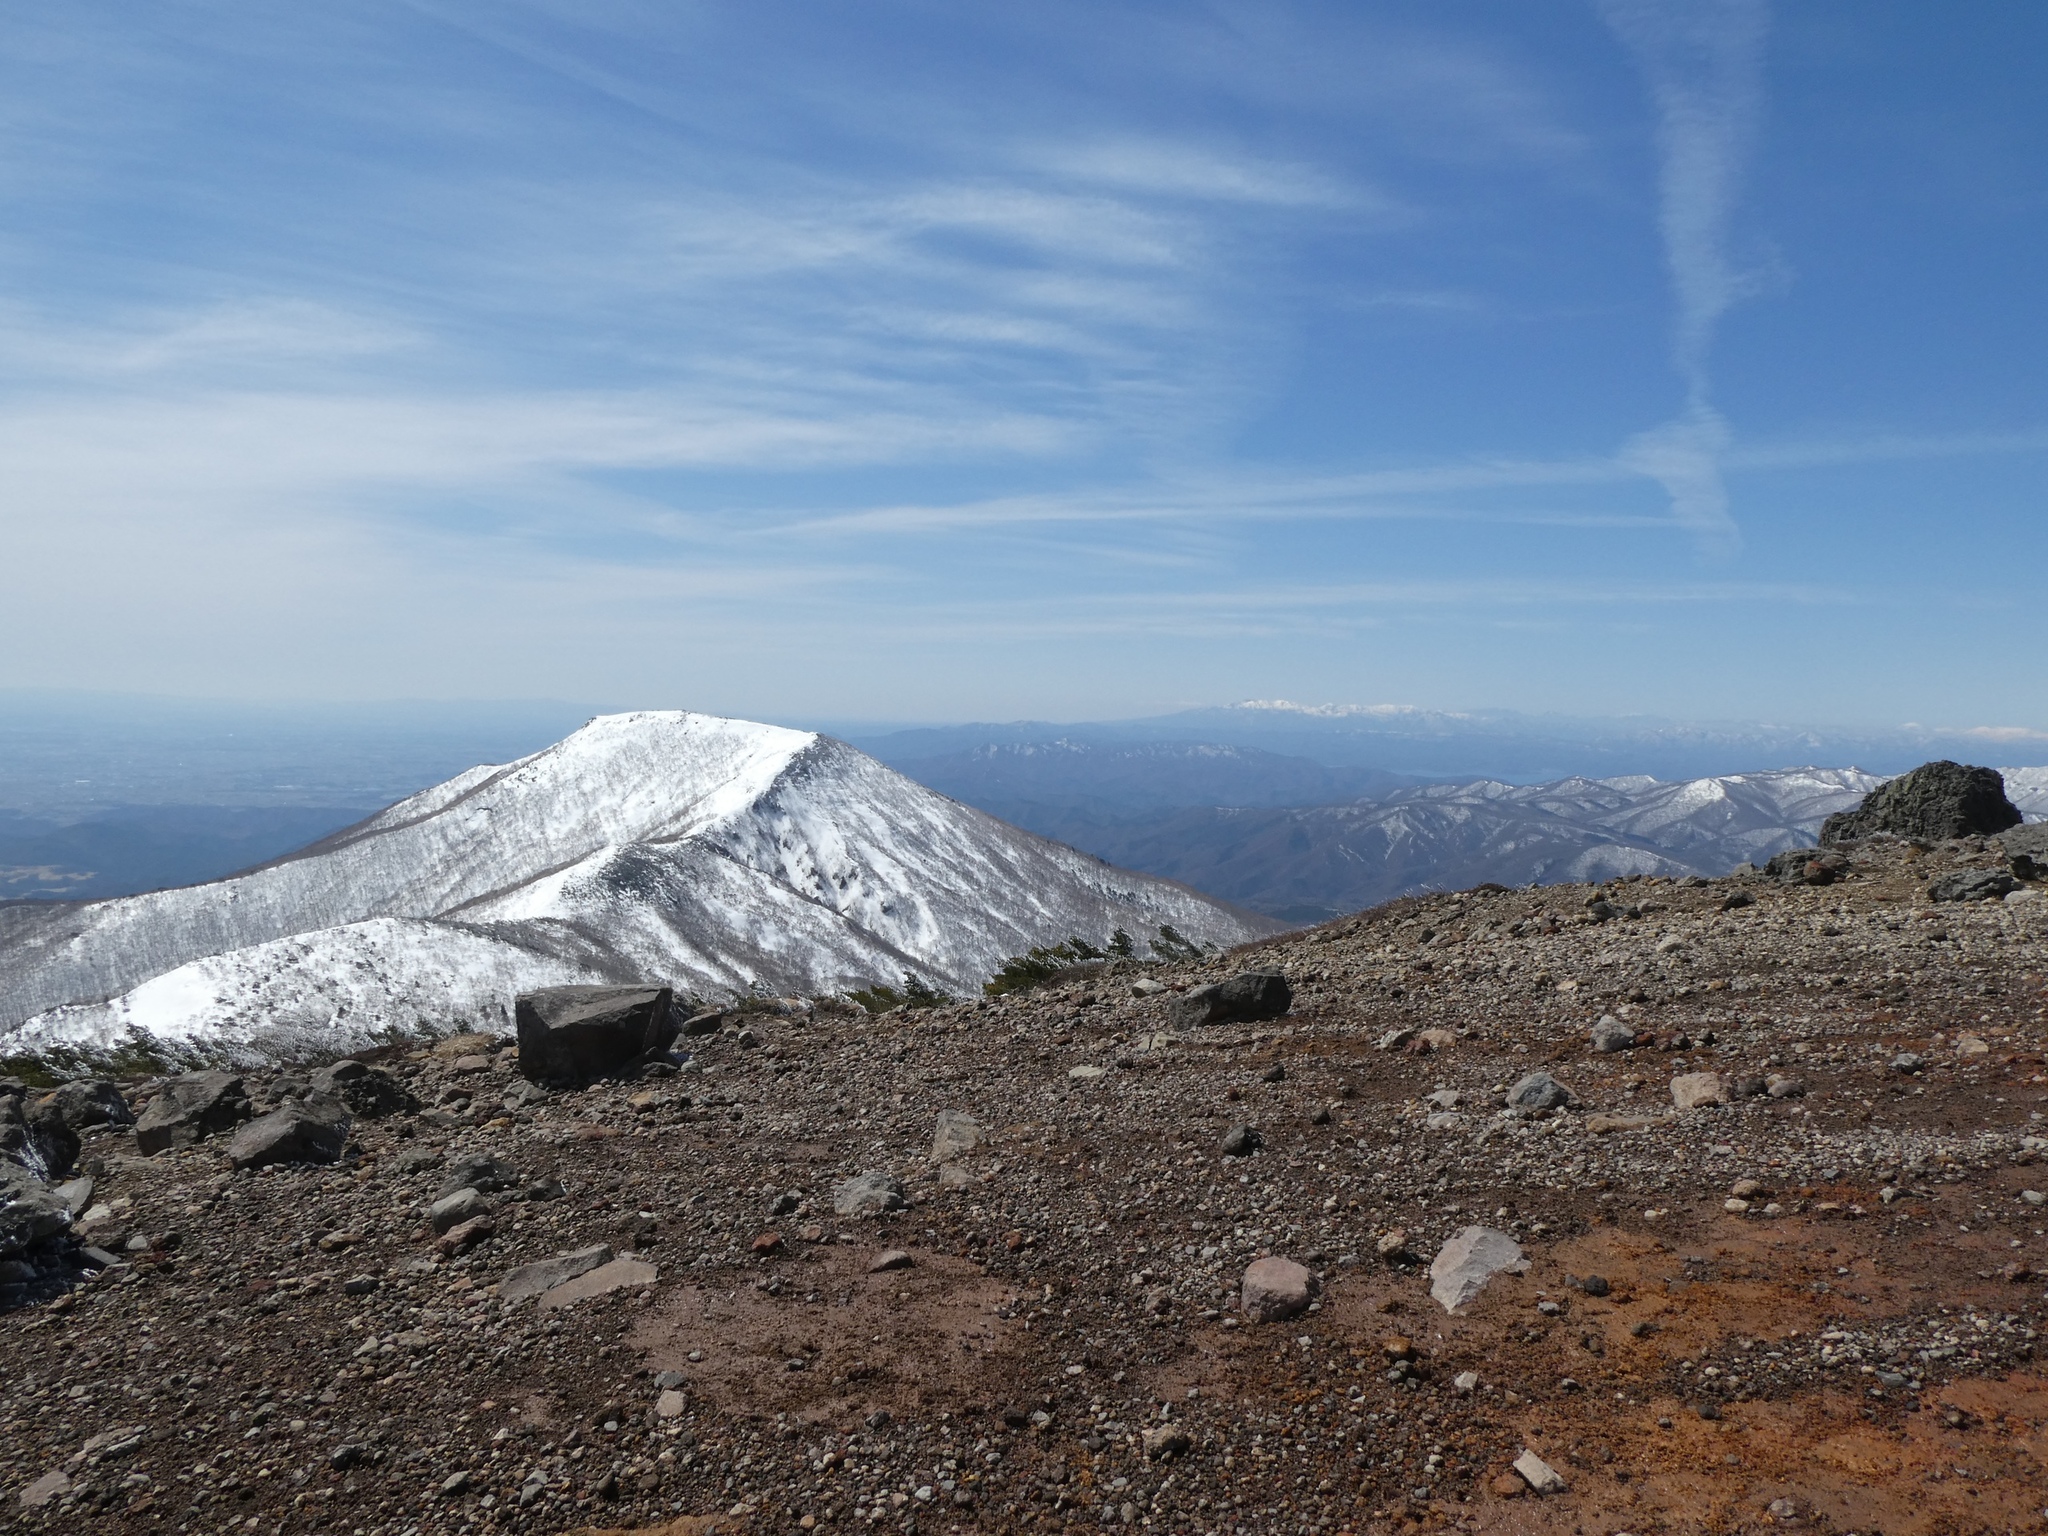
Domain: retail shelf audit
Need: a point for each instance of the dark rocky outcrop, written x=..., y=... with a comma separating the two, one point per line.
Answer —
x=190, y=1108
x=309, y=1130
x=33, y=1135
x=1972, y=885
x=1242, y=999
x=29, y=1210
x=368, y=1091
x=87, y=1102
x=1934, y=802
x=572, y=1034
x=2026, y=848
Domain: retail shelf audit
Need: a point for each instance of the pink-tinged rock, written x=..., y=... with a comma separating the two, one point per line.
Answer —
x=619, y=1275
x=465, y=1237
x=1698, y=1088
x=1275, y=1289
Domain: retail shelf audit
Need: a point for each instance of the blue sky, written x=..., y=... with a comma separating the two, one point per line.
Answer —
x=920, y=361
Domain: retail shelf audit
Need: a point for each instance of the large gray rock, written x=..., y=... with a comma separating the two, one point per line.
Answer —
x=1242, y=999
x=484, y=1172
x=1695, y=1090
x=451, y=1211
x=1465, y=1264
x=1935, y=801
x=572, y=1034
x=1973, y=885
x=368, y=1091
x=29, y=1210
x=308, y=1130
x=868, y=1194
x=542, y=1276
x=621, y=1274
x=1539, y=1090
x=190, y=1108
x=89, y=1101
x=1611, y=1035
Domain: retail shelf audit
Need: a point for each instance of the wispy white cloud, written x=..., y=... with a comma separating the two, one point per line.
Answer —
x=1703, y=61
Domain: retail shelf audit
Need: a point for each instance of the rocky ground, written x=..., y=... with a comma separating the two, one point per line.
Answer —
x=1815, y=1306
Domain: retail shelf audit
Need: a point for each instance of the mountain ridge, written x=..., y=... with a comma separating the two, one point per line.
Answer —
x=719, y=856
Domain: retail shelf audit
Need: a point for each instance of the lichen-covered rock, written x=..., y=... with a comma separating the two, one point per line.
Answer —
x=1935, y=801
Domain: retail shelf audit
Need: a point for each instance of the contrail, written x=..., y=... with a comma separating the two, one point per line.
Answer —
x=1702, y=60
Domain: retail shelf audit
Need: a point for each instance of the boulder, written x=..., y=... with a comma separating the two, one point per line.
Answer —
x=189, y=1108
x=1275, y=1289
x=868, y=1194
x=453, y=1210
x=1611, y=1035
x=1973, y=885
x=484, y=1172
x=572, y=1034
x=542, y=1276
x=34, y=1136
x=309, y=1130
x=2026, y=848
x=1539, y=1090
x=1241, y=1141
x=368, y=1091
x=89, y=1101
x=1935, y=801
x=29, y=1210
x=1465, y=1264
x=1242, y=999
x=956, y=1134
x=1697, y=1088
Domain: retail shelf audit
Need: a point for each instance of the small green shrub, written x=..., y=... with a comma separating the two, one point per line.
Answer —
x=1035, y=967
x=916, y=993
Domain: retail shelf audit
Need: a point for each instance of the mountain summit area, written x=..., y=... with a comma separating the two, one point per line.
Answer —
x=1664, y=1205
x=716, y=856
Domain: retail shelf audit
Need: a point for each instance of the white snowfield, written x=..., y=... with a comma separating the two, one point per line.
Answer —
x=717, y=856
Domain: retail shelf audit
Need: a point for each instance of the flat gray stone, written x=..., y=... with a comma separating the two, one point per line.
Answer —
x=1611, y=1035
x=1465, y=1264
x=1697, y=1088
x=51, y=1485
x=956, y=1134
x=619, y=1275
x=536, y=1279
x=1539, y=1474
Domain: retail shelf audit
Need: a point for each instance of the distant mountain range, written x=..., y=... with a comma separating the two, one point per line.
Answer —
x=715, y=855
x=1168, y=809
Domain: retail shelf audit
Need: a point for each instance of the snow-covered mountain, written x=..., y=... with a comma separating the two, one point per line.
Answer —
x=1304, y=864
x=716, y=855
